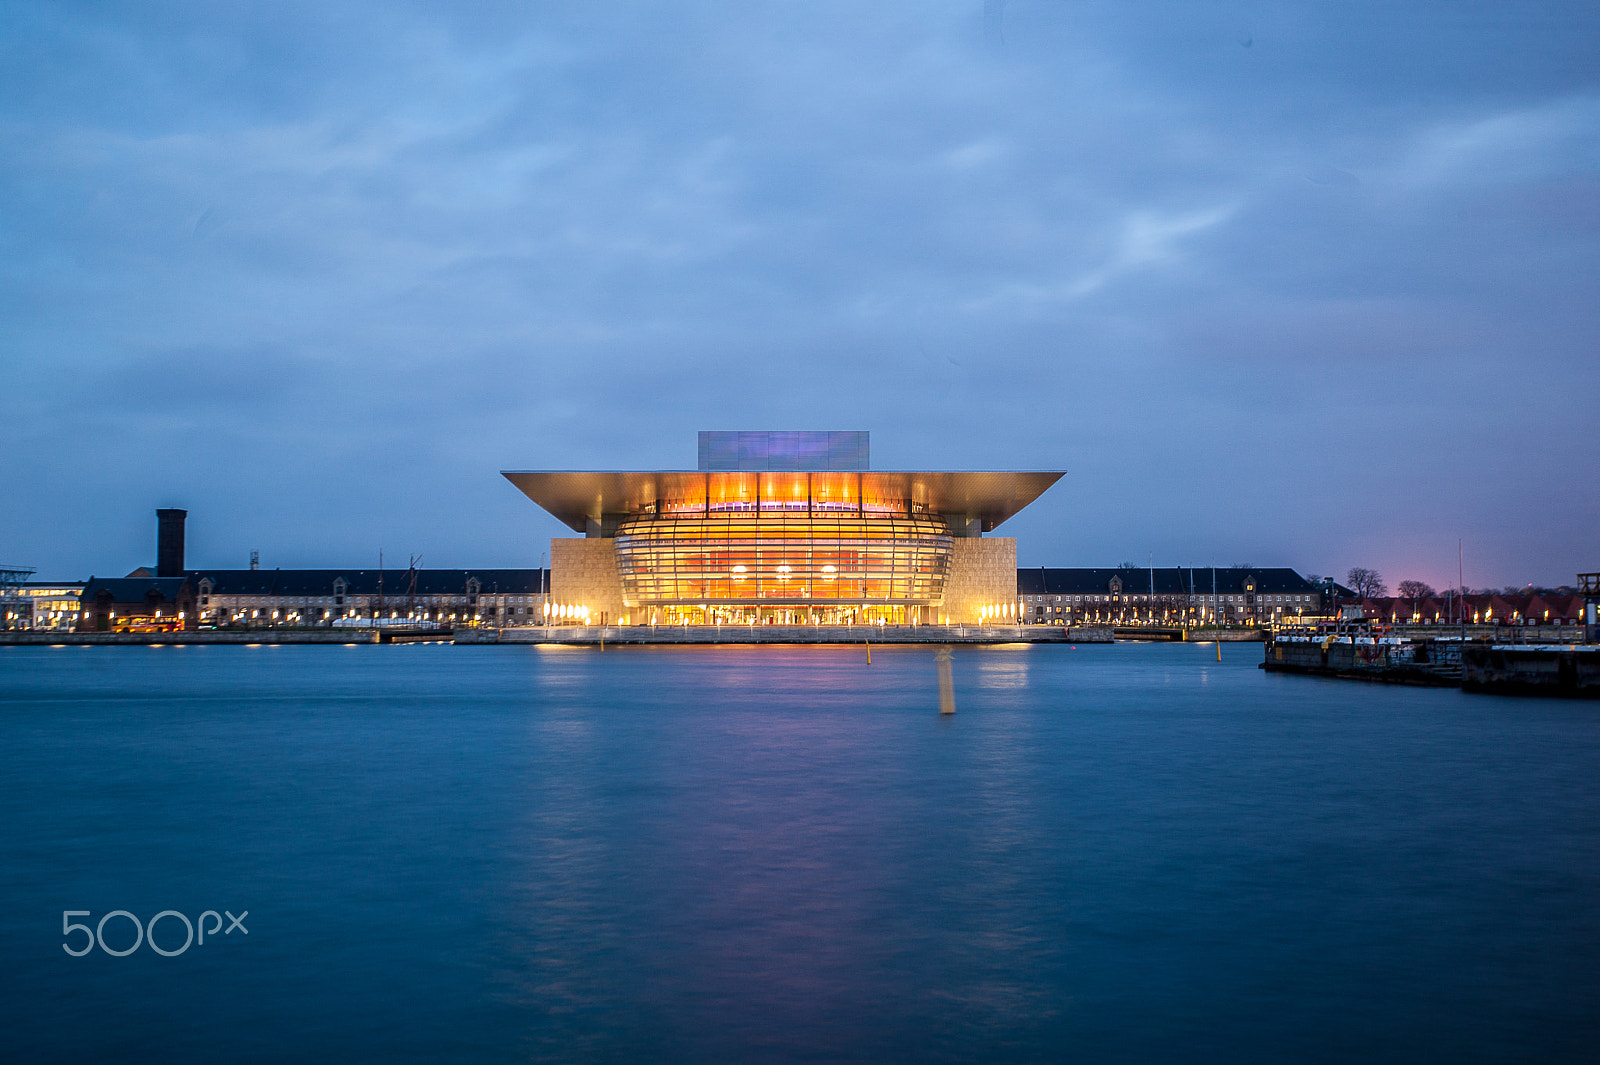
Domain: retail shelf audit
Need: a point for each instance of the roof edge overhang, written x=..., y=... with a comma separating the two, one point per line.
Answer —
x=578, y=497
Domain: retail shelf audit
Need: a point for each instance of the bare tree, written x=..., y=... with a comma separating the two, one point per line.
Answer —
x=1367, y=583
x=1416, y=590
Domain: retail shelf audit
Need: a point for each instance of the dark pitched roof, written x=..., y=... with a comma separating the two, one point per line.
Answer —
x=133, y=589
x=1168, y=580
x=396, y=582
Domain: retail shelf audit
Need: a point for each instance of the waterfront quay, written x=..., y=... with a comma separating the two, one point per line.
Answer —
x=592, y=635
x=333, y=637
x=789, y=634
x=1174, y=633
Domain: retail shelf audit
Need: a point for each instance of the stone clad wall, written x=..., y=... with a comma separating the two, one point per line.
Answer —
x=983, y=572
x=584, y=573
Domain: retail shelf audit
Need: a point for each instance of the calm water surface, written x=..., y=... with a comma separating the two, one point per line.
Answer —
x=1126, y=853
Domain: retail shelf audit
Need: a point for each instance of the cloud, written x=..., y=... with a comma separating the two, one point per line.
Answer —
x=1332, y=175
x=1552, y=138
x=494, y=235
x=1144, y=240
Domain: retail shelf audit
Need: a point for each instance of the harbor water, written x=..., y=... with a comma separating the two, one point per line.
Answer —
x=1124, y=853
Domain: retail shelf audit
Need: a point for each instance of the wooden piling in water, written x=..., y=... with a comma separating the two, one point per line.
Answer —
x=947, y=688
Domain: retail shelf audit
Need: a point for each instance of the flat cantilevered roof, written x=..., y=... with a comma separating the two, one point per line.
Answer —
x=577, y=497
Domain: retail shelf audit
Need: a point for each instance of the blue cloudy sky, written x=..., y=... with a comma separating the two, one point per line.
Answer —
x=1310, y=284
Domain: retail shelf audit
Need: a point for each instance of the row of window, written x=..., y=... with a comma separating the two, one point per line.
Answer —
x=1143, y=598
x=251, y=613
x=338, y=600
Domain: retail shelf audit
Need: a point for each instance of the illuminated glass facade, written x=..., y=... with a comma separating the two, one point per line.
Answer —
x=844, y=495
x=798, y=559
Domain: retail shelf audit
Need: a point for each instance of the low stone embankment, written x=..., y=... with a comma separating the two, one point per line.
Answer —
x=143, y=639
x=615, y=634
x=780, y=634
x=1240, y=635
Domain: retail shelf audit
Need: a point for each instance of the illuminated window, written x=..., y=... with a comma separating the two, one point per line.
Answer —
x=782, y=556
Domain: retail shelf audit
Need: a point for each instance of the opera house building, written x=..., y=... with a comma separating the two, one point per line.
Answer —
x=785, y=528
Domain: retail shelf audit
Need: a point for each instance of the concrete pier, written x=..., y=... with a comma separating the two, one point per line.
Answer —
x=1502, y=669
x=1388, y=663
x=1510, y=669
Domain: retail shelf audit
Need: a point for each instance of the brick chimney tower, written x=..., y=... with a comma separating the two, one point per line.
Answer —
x=169, y=543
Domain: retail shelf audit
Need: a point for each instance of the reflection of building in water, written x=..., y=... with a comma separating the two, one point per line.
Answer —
x=783, y=528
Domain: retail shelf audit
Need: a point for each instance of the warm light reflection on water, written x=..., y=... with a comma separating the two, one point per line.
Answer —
x=784, y=853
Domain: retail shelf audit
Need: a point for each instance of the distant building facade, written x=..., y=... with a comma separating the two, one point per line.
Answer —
x=43, y=605
x=254, y=598
x=1545, y=608
x=137, y=604
x=174, y=597
x=1165, y=595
